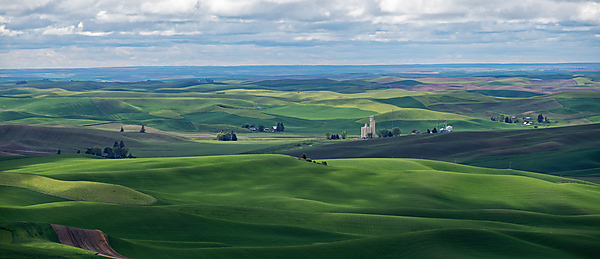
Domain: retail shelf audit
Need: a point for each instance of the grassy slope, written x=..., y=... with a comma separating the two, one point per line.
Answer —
x=77, y=190
x=211, y=110
x=274, y=206
x=567, y=150
x=160, y=144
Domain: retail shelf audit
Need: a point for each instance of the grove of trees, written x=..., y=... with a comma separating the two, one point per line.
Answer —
x=384, y=133
x=118, y=150
x=229, y=136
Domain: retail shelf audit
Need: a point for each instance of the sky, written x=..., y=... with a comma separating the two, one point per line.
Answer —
x=115, y=33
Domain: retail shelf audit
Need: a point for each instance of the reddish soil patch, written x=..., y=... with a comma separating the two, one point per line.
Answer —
x=88, y=239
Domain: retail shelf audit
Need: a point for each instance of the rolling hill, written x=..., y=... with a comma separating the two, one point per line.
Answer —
x=269, y=206
x=568, y=151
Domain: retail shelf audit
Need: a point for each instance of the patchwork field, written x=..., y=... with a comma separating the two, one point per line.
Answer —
x=503, y=184
x=267, y=206
x=306, y=107
x=567, y=151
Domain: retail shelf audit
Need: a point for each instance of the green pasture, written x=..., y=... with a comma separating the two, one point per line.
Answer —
x=407, y=126
x=76, y=190
x=584, y=80
x=505, y=93
x=269, y=206
x=187, y=106
x=414, y=114
x=568, y=151
x=361, y=104
x=403, y=102
x=36, y=240
x=311, y=112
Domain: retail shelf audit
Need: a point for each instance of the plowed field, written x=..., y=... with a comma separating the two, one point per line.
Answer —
x=88, y=239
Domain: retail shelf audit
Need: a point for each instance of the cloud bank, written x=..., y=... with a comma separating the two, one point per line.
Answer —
x=85, y=33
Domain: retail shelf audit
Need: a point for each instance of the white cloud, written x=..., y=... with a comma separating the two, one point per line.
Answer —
x=7, y=32
x=590, y=11
x=169, y=6
x=295, y=24
x=59, y=31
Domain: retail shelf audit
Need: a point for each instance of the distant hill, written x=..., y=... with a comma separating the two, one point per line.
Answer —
x=14, y=148
x=348, y=86
x=564, y=150
x=22, y=139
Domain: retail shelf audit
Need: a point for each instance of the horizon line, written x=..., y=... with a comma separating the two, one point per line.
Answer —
x=319, y=65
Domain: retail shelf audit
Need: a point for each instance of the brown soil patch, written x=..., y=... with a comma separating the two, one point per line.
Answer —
x=15, y=148
x=88, y=239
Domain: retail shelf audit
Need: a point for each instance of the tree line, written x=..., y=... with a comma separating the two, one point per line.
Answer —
x=229, y=136
x=118, y=150
x=332, y=136
x=385, y=133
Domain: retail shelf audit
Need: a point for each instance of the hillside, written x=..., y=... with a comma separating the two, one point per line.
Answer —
x=568, y=151
x=308, y=107
x=273, y=206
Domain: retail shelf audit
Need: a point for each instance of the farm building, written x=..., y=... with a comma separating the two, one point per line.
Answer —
x=368, y=131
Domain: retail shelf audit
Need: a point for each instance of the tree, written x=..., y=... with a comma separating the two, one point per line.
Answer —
x=233, y=136
x=130, y=156
x=396, y=131
x=143, y=130
x=123, y=153
x=78, y=151
x=122, y=144
x=221, y=136
x=328, y=135
x=344, y=134
x=281, y=127
x=96, y=150
x=493, y=118
x=245, y=126
x=390, y=134
x=117, y=152
x=428, y=131
x=109, y=152
x=382, y=133
x=116, y=144
x=122, y=129
x=434, y=130
x=540, y=118
x=58, y=153
x=546, y=120
x=303, y=156
x=261, y=128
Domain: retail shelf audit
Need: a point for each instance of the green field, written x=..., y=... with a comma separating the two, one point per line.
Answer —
x=568, y=151
x=268, y=206
x=490, y=189
x=302, y=104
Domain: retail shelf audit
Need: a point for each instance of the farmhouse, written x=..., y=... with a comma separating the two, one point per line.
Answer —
x=446, y=128
x=368, y=131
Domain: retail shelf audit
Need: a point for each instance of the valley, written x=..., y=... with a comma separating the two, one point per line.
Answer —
x=517, y=177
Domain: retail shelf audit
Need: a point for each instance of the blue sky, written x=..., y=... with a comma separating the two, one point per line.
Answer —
x=100, y=33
